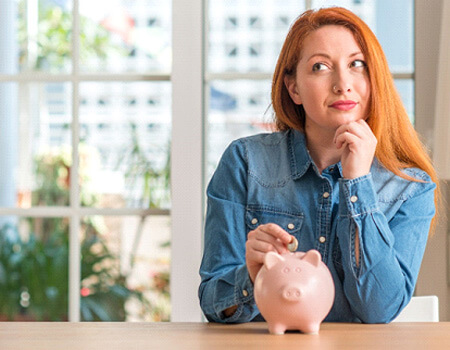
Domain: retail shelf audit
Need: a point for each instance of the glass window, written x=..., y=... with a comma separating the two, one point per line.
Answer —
x=237, y=108
x=125, y=268
x=38, y=143
x=243, y=46
x=124, y=148
x=44, y=35
x=247, y=37
x=34, y=257
x=125, y=36
x=79, y=143
x=405, y=88
x=386, y=17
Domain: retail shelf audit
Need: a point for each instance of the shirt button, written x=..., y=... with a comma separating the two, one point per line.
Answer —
x=254, y=221
x=322, y=239
x=291, y=226
x=245, y=293
x=326, y=195
x=353, y=199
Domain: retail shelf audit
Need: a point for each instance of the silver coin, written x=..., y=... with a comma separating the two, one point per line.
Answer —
x=293, y=245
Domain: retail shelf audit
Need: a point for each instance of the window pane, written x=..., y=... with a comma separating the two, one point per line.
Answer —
x=386, y=17
x=124, y=144
x=125, y=268
x=36, y=141
x=236, y=108
x=34, y=269
x=232, y=32
x=44, y=35
x=125, y=36
x=405, y=88
x=246, y=36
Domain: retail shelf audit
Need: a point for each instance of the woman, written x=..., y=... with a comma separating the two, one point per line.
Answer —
x=345, y=174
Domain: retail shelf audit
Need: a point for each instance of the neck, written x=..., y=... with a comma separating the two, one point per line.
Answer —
x=322, y=149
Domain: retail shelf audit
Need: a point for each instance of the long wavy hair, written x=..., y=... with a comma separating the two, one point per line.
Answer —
x=398, y=146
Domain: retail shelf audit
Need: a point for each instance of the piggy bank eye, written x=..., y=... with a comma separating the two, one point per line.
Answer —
x=297, y=269
x=286, y=270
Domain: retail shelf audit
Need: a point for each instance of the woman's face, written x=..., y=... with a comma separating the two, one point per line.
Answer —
x=331, y=81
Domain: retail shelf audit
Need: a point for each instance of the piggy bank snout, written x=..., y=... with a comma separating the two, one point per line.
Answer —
x=292, y=294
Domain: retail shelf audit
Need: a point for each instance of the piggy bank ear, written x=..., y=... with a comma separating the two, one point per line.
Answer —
x=271, y=259
x=313, y=257
x=299, y=255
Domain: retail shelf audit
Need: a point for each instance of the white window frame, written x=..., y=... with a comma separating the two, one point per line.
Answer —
x=74, y=211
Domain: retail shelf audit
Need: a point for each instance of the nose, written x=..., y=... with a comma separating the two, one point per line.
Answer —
x=342, y=83
x=339, y=89
x=292, y=294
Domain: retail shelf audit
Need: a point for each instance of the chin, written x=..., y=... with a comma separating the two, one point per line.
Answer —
x=348, y=119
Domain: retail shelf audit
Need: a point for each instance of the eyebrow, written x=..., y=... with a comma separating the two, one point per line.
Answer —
x=328, y=56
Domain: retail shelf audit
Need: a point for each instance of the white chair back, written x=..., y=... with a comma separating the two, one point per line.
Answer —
x=420, y=309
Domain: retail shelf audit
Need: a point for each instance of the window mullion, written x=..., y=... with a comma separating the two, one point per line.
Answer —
x=74, y=239
x=186, y=157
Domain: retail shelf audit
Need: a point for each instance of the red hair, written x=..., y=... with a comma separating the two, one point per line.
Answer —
x=398, y=146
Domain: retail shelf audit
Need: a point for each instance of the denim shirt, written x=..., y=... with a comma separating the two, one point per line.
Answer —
x=271, y=178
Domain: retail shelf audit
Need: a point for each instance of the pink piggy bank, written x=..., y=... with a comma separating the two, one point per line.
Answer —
x=294, y=291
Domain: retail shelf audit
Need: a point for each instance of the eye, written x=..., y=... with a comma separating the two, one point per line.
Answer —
x=358, y=64
x=286, y=270
x=318, y=66
x=297, y=269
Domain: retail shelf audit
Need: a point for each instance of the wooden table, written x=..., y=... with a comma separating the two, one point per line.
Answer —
x=124, y=336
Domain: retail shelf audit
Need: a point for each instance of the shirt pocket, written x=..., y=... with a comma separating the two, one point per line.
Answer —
x=290, y=222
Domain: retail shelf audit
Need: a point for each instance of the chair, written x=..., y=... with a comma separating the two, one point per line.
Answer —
x=420, y=309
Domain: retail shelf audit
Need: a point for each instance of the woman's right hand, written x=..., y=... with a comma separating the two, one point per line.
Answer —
x=265, y=238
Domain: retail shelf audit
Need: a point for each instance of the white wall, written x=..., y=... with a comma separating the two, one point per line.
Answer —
x=433, y=275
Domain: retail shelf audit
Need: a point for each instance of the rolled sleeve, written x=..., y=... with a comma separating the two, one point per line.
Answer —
x=390, y=251
x=243, y=298
x=357, y=196
x=224, y=276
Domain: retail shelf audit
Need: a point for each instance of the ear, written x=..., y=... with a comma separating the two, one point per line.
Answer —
x=313, y=257
x=271, y=259
x=291, y=86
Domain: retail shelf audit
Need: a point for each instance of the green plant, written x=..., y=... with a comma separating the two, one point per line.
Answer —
x=34, y=278
x=34, y=262
x=104, y=289
x=53, y=39
x=161, y=285
x=143, y=176
x=33, y=275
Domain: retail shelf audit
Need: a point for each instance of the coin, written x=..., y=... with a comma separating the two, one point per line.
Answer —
x=293, y=244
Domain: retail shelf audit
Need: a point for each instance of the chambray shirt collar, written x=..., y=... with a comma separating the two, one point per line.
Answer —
x=300, y=157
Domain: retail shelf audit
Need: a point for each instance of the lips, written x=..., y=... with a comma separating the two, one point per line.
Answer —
x=344, y=105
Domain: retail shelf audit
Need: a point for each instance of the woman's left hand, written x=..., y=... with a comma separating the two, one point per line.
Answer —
x=359, y=144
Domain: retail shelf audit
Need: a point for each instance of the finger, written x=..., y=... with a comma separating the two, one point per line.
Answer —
x=347, y=138
x=261, y=246
x=256, y=258
x=276, y=231
x=365, y=128
x=339, y=131
x=368, y=131
x=356, y=128
x=359, y=128
x=266, y=242
x=259, y=234
x=346, y=128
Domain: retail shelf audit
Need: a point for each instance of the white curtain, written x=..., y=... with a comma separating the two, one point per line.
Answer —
x=441, y=146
